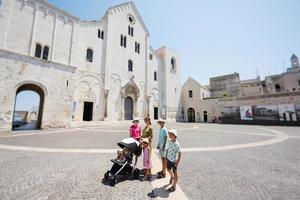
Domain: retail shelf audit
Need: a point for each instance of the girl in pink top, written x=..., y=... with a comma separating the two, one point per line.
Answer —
x=135, y=130
x=147, y=163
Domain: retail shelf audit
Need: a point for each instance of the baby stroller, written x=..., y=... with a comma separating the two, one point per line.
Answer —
x=124, y=167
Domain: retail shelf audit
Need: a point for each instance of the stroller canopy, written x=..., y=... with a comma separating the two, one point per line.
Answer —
x=130, y=143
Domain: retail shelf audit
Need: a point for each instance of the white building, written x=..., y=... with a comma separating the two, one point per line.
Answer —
x=83, y=70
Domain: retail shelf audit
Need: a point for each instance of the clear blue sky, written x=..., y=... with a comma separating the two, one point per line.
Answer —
x=26, y=100
x=214, y=37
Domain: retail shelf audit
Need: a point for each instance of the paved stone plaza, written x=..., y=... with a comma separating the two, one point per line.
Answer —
x=219, y=162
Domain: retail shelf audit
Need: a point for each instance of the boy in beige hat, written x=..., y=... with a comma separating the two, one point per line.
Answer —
x=173, y=158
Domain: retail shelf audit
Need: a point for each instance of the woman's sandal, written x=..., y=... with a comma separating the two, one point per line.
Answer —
x=171, y=189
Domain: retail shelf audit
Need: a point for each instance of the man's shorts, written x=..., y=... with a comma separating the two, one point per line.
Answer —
x=171, y=166
x=162, y=153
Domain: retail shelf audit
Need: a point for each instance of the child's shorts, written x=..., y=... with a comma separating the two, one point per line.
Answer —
x=162, y=153
x=171, y=166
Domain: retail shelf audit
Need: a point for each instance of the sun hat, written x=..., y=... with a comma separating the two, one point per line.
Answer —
x=161, y=120
x=173, y=131
x=146, y=140
x=135, y=120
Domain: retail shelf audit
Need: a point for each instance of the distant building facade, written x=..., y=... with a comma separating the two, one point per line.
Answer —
x=225, y=86
x=275, y=100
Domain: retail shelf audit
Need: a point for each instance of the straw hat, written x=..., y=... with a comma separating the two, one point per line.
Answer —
x=161, y=120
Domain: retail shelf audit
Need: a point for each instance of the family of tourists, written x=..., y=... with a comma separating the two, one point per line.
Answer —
x=167, y=146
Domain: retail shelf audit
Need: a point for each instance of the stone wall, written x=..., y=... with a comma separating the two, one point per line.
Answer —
x=17, y=70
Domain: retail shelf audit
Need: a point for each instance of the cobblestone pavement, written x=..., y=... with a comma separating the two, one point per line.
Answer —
x=263, y=172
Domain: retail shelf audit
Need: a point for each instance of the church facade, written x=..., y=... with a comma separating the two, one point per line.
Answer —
x=83, y=70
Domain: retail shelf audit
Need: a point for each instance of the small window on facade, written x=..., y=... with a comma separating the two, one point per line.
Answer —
x=150, y=56
x=277, y=87
x=102, y=35
x=130, y=65
x=38, y=50
x=137, y=47
x=155, y=76
x=89, y=55
x=173, y=64
x=190, y=93
x=45, y=52
x=131, y=31
x=123, y=41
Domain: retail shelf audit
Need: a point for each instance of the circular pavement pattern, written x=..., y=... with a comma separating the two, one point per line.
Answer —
x=219, y=162
x=99, y=139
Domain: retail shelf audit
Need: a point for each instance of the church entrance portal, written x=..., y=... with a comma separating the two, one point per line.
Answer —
x=88, y=111
x=191, y=115
x=155, y=113
x=128, y=107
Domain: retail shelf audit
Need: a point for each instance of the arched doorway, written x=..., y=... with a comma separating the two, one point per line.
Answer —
x=28, y=110
x=128, y=108
x=191, y=115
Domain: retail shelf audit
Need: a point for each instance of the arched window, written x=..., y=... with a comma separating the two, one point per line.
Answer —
x=155, y=76
x=38, y=50
x=89, y=55
x=173, y=64
x=45, y=52
x=130, y=65
x=123, y=41
x=130, y=30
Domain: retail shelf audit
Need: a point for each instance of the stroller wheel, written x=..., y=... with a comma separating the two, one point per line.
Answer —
x=106, y=176
x=113, y=181
x=136, y=173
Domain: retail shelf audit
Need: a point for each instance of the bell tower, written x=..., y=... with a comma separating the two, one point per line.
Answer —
x=294, y=61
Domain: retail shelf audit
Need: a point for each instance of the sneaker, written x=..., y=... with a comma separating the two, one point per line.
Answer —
x=171, y=189
x=161, y=175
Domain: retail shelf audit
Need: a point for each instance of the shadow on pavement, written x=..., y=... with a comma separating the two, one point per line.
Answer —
x=159, y=192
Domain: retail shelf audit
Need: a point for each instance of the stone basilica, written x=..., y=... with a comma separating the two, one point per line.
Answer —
x=83, y=70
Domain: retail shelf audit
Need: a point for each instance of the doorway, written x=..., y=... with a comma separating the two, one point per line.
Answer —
x=191, y=115
x=155, y=113
x=205, y=116
x=88, y=111
x=128, y=107
x=28, y=109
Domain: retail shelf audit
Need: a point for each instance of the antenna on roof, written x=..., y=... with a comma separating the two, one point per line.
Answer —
x=256, y=68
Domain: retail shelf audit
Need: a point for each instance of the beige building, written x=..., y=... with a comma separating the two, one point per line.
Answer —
x=225, y=86
x=193, y=105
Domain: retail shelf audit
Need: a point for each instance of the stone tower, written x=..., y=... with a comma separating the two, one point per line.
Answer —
x=294, y=61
